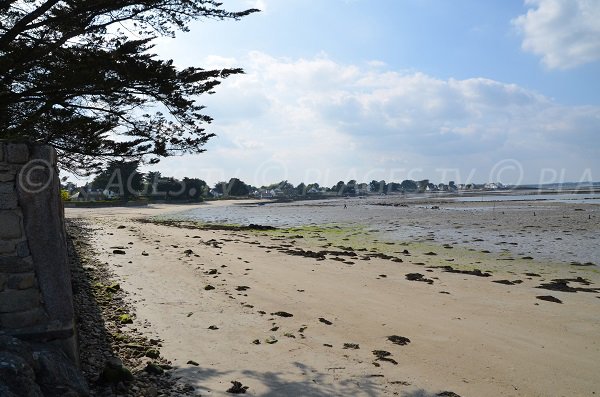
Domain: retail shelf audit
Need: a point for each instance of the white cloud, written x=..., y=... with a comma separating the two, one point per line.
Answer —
x=565, y=33
x=316, y=119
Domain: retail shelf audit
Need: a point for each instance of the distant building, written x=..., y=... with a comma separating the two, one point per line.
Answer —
x=494, y=186
x=215, y=193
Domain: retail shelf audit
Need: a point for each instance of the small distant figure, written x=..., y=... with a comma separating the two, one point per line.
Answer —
x=345, y=206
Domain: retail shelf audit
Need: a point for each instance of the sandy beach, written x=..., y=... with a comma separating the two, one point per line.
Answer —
x=443, y=300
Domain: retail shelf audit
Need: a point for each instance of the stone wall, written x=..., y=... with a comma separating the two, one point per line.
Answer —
x=35, y=288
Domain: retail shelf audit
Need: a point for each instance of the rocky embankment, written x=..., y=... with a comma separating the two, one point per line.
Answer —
x=115, y=359
x=37, y=370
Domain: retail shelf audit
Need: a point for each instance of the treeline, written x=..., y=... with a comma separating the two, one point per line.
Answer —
x=123, y=180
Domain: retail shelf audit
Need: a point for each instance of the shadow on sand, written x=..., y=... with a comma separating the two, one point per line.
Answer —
x=314, y=383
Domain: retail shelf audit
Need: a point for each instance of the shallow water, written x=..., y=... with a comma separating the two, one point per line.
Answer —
x=592, y=198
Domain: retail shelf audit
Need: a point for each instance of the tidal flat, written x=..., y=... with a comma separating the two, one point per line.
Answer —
x=307, y=298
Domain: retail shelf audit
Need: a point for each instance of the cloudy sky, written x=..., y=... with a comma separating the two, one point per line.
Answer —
x=463, y=90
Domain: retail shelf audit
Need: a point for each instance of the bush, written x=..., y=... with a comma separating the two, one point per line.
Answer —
x=64, y=195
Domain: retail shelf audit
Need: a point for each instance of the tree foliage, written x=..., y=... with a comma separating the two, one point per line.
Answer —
x=80, y=75
x=120, y=177
x=234, y=187
x=409, y=185
x=172, y=189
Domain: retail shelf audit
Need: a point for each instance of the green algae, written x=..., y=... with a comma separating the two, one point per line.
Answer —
x=364, y=238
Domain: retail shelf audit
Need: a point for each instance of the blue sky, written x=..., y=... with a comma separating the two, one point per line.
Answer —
x=464, y=90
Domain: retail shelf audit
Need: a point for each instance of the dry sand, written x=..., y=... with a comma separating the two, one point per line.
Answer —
x=467, y=334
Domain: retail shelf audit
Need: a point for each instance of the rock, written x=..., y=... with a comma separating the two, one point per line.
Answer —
x=354, y=346
x=192, y=362
x=383, y=355
x=398, y=340
x=154, y=369
x=209, y=287
x=17, y=377
x=152, y=353
x=271, y=340
x=325, y=321
x=28, y=370
x=237, y=388
x=115, y=372
x=113, y=287
x=562, y=284
x=418, y=277
x=549, y=298
x=282, y=314
x=505, y=282
x=119, y=252
x=252, y=226
x=57, y=375
x=125, y=319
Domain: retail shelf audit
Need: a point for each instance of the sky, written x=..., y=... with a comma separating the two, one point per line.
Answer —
x=468, y=91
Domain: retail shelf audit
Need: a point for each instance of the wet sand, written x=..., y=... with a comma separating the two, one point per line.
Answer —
x=476, y=322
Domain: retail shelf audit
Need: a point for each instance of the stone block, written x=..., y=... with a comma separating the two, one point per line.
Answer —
x=8, y=176
x=22, y=281
x=8, y=247
x=8, y=173
x=23, y=249
x=8, y=201
x=15, y=264
x=24, y=319
x=10, y=225
x=12, y=301
x=7, y=188
x=17, y=153
x=44, y=152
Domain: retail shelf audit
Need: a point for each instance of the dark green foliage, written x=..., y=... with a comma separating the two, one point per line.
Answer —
x=172, y=189
x=72, y=75
x=409, y=185
x=234, y=187
x=301, y=189
x=339, y=187
x=378, y=187
x=120, y=177
x=422, y=185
